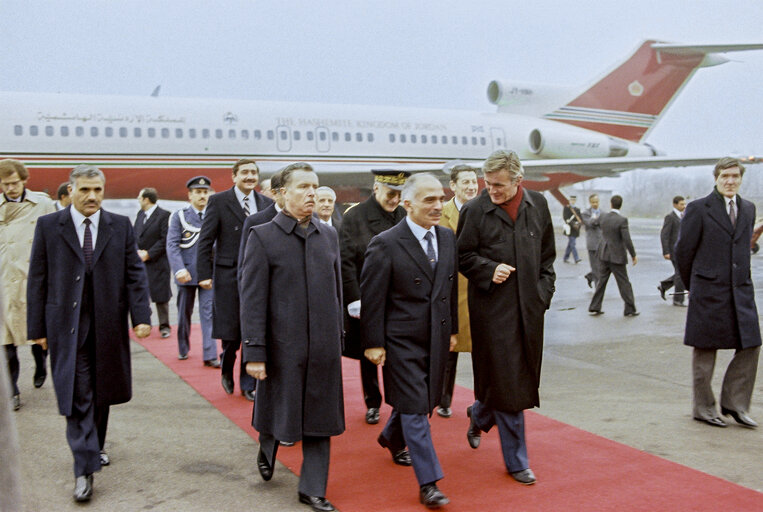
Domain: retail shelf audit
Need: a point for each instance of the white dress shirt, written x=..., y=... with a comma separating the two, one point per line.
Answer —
x=240, y=196
x=149, y=212
x=420, y=233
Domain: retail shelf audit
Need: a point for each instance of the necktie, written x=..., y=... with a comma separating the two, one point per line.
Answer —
x=430, y=249
x=201, y=215
x=732, y=214
x=87, y=245
x=246, y=206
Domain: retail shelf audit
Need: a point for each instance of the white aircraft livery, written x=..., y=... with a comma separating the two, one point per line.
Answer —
x=562, y=135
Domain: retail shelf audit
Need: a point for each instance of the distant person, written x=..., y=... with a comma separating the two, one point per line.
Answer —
x=668, y=238
x=291, y=313
x=613, y=259
x=506, y=250
x=151, y=226
x=19, y=210
x=463, y=183
x=217, y=263
x=572, y=222
x=182, y=237
x=713, y=257
x=85, y=280
x=360, y=224
x=326, y=207
x=62, y=196
x=266, y=188
x=592, y=225
x=409, y=293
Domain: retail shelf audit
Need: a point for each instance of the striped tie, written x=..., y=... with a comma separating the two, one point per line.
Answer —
x=87, y=245
x=430, y=250
x=732, y=214
x=247, y=211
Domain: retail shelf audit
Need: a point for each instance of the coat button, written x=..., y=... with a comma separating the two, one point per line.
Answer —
x=72, y=331
x=76, y=278
x=443, y=299
x=74, y=306
x=443, y=321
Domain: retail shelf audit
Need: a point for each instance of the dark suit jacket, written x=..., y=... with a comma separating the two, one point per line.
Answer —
x=336, y=219
x=261, y=217
x=669, y=233
x=410, y=310
x=151, y=236
x=54, y=293
x=713, y=259
x=217, y=257
x=615, y=239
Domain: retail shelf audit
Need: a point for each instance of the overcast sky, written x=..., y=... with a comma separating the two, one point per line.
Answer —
x=429, y=53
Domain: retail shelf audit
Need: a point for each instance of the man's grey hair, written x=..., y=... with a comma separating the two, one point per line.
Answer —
x=86, y=171
x=326, y=189
x=412, y=184
x=502, y=160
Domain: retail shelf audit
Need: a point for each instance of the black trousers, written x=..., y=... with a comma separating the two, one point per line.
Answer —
x=674, y=280
x=623, y=284
x=369, y=378
x=449, y=380
x=163, y=311
x=14, y=367
x=228, y=362
x=316, y=452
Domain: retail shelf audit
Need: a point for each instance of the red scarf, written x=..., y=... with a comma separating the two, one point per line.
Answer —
x=512, y=205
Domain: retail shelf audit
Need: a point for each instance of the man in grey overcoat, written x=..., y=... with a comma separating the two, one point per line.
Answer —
x=506, y=250
x=713, y=257
x=590, y=218
x=291, y=325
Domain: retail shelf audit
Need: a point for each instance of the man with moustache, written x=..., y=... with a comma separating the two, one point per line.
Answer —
x=325, y=207
x=292, y=332
x=506, y=250
x=261, y=217
x=409, y=291
x=217, y=263
x=360, y=224
x=62, y=196
x=668, y=238
x=85, y=277
x=590, y=218
x=182, y=236
x=713, y=257
x=463, y=183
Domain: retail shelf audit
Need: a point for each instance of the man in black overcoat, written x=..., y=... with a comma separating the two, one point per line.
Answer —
x=217, y=263
x=713, y=256
x=360, y=224
x=151, y=226
x=291, y=312
x=668, y=238
x=506, y=250
x=85, y=278
x=409, y=292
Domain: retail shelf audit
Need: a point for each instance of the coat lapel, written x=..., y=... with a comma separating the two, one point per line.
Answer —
x=444, y=254
x=105, y=230
x=717, y=211
x=413, y=248
x=234, y=205
x=744, y=217
x=140, y=222
x=69, y=233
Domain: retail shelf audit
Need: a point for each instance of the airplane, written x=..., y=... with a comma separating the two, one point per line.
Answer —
x=562, y=135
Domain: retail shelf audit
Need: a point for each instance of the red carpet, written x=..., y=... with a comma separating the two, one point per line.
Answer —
x=576, y=470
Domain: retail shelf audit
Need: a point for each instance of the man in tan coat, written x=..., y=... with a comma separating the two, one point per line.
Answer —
x=463, y=183
x=19, y=210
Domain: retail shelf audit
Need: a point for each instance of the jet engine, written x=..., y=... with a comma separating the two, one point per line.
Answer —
x=571, y=143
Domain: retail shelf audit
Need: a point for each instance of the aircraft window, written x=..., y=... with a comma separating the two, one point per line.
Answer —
x=423, y=139
x=347, y=136
x=244, y=134
x=257, y=134
x=297, y=135
x=192, y=133
x=33, y=130
x=358, y=136
x=79, y=131
x=335, y=136
x=464, y=141
x=178, y=133
x=454, y=139
x=499, y=141
x=123, y=132
x=231, y=134
x=483, y=141
x=152, y=132
x=64, y=131
x=271, y=134
x=311, y=135
x=18, y=130
x=108, y=131
x=165, y=133
x=283, y=134
x=413, y=138
x=218, y=133
x=94, y=131
x=49, y=131
x=205, y=133
x=402, y=137
x=434, y=139
x=322, y=135
x=370, y=137
x=137, y=132
x=474, y=141
x=444, y=139
x=392, y=137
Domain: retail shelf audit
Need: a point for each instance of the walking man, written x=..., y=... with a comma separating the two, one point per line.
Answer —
x=668, y=238
x=590, y=218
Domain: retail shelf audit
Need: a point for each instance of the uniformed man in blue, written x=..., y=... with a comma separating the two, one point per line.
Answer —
x=182, y=235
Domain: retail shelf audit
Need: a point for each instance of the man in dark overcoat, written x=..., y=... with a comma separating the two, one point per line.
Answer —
x=85, y=278
x=360, y=224
x=291, y=311
x=217, y=263
x=151, y=226
x=506, y=251
x=668, y=238
x=713, y=257
x=409, y=292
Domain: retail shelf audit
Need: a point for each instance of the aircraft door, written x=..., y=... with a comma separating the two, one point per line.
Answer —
x=283, y=138
x=322, y=139
x=498, y=137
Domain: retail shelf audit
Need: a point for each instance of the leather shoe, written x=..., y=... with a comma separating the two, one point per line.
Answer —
x=679, y=304
x=266, y=470
x=740, y=418
x=83, y=488
x=165, y=332
x=401, y=456
x=248, y=394
x=662, y=291
x=16, y=402
x=318, y=503
x=372, y=415
x=286, y=443
x=39, y=380
x=632, y=313
x=596, y=312
x=432, y=497
x=589, y=280
x=474, y=434
x=227, y=381
x=182, y=357
x=212, y=363
x=445, y=412
x=715, y=422
x=524, y=477
x=105, y=459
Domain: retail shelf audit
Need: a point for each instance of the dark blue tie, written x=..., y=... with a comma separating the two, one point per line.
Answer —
x=87, y=245
x=430, y=249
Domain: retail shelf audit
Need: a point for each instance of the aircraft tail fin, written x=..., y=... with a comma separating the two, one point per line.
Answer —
x=629, y=100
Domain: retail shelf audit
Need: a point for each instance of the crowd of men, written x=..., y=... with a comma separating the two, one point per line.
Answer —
x=403, y=281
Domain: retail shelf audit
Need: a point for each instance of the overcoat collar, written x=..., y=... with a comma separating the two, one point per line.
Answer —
x=413, y=248
x=69, y=233
x=488, y=206
x=289, y=224
x=717, y=211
